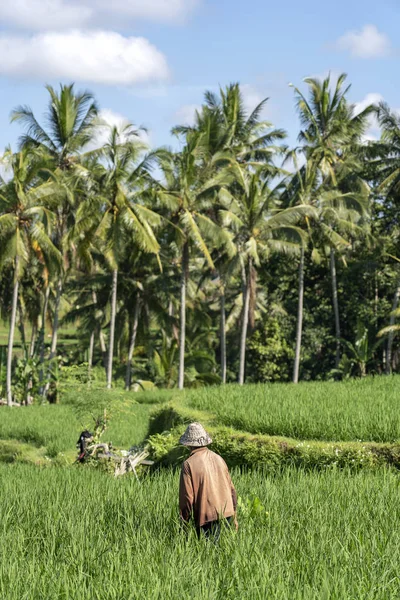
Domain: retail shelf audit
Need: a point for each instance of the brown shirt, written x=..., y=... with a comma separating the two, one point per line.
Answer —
x=206, y=488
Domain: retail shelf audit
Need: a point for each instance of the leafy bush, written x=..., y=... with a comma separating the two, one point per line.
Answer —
x=244, y=449
x=269, y=356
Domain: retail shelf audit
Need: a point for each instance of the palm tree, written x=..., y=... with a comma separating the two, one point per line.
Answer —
x=385, y=162
x=71, y=118
x=188, y=191
x=251, y=209
x=226, y=126
x=25, y=228
x=226, y=131
x=121, y=214
x=330, y=138
x=302, y=187
x=362, y=351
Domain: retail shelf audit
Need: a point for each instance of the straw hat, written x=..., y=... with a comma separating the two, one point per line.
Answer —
x=195, y=436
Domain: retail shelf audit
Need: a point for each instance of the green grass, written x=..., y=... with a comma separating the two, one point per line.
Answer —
x=57, y=427
x=366, y=410
x=66, y=335
x=73, y=533
x=70, y=532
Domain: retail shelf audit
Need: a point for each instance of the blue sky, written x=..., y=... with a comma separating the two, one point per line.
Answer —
x=149, y=61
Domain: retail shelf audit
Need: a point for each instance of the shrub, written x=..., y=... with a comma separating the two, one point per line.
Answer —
x=245, y=449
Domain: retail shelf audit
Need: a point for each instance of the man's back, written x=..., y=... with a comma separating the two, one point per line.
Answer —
x=206, y=488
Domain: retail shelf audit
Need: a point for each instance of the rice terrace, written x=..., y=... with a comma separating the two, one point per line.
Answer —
x=199, y=300
x=318, y=519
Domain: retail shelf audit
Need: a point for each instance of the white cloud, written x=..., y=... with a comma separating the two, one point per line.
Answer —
x=43, y=14
x=251, y=97
x=65, y=14
x=373, y=131
x=98, y=57
x=369, y=42
x=372, y=98
x=112, y=119
x=185, y=115
x=5, y=166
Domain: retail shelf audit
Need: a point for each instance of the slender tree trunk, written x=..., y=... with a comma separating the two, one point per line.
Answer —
x=182, y=333
x=335, y=307
x=376, y=299
x=132, y=345
x=245, y=321
x=223, y=334
x=112, y=328
x=11, y=333
x=175, y=330
x=33, y=340
x=21, y=323
x=30, y=356
x=53, y=347
x=42, y=337
x=299, y=319
x=90, y=357
x=395, y=304
x=103, y=346
x=54, y=336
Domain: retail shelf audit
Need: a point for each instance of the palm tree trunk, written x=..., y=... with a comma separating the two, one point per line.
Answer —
x=132, y=345
x=33, y=340
x=245, y=321
x=335, y=307
x=54, y=336
x=175, y=330
x=90, y=357
x=42, y=337
x=182, y=333
x=391, y=336
x=112, y=328
x=30, y=357
x=376, y=299
x=53, y=347
x=223, y=334
x=103, y=346
x=299, y=332
x=11, y=333
x=21, y=324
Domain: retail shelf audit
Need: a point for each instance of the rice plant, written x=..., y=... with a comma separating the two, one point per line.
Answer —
x=73, y=533
x=366, y=409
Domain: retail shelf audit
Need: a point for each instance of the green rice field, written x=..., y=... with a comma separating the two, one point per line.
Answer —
x=70, y=532
x=366, y=410
x=73, y=533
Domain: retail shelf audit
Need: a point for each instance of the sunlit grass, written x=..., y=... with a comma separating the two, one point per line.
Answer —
x=57, y=427
x=76, y=533
x=367, y=410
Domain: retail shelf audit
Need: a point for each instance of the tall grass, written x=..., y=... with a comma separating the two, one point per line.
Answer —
x=75, y=533
x=366, y=410
x=58, y=426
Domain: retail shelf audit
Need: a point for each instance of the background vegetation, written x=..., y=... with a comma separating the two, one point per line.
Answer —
x=235, y=258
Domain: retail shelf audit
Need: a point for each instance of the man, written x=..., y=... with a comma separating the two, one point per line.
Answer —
x=206, y=490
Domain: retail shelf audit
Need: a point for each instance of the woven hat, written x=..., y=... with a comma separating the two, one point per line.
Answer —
x=195, y=436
